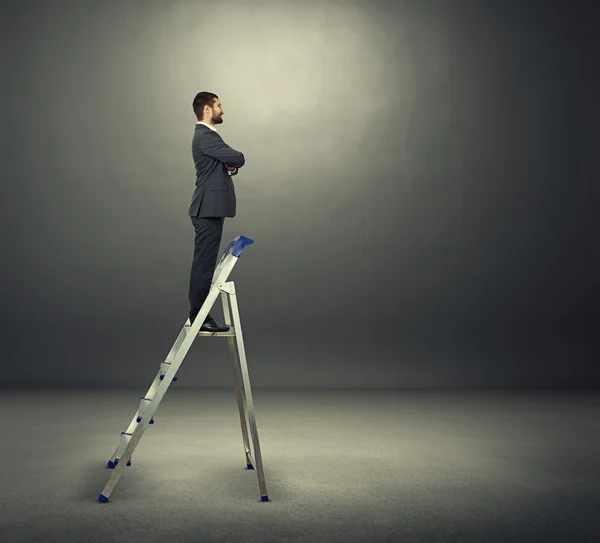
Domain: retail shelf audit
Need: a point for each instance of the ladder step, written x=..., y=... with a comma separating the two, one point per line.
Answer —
x=229, y=333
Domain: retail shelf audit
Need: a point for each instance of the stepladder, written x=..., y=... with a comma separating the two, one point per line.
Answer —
x=167, y=373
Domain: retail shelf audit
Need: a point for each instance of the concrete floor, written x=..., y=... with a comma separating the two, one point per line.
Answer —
x=341, y=465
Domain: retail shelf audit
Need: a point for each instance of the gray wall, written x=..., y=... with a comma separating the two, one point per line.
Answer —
x=418, y=183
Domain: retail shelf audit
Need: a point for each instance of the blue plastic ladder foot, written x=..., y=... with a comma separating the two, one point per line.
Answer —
x=264, y=498
x=113, y=465
x=102, y=498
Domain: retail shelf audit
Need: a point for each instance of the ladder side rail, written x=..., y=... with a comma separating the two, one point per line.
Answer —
x=238, y=383
x=248, y=392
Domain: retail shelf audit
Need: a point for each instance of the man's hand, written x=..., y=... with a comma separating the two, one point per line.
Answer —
x=229, y=168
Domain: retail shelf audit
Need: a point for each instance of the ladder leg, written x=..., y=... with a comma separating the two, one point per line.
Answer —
x=248, y=395
x=129, y=441
x=120, y=467
x=149, y=405
x=118, y=453
x=241, y=405
x=238, y=383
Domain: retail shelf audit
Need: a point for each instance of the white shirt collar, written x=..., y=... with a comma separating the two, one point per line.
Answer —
x=206, y=124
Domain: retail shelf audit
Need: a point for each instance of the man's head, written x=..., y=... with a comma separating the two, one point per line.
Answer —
x=207, y=108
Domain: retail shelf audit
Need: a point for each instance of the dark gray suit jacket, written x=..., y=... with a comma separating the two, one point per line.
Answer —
x=214, y=195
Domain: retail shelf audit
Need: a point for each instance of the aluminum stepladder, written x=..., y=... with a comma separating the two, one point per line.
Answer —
x=168, y=370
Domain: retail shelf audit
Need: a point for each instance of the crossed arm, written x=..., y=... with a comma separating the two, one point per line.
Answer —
x=214, y=147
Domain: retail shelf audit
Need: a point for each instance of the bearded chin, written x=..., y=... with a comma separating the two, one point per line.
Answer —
x=217, y=120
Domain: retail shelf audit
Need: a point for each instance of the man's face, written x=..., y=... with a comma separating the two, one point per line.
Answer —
x=216, y=112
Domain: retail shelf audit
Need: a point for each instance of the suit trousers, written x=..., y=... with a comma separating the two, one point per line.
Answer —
x=206, y=250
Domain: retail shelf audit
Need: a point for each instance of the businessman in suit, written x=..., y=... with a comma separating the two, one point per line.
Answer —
x=213, y=199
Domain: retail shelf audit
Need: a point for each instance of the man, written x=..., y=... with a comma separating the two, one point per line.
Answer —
x=212, y=201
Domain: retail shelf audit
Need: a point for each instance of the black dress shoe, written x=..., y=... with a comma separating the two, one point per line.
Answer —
x=211, y=325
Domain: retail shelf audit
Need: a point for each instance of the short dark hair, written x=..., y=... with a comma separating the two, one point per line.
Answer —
x=202, y=99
